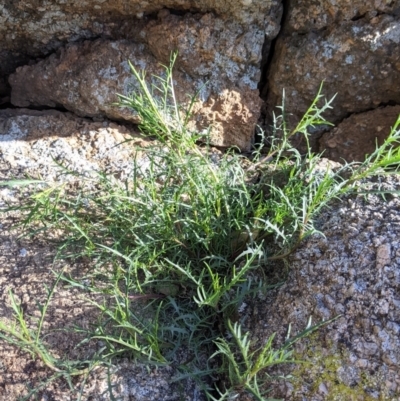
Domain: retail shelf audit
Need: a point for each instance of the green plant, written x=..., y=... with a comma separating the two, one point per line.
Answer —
x=241, y=364
x=191, y=237
x=28, y=339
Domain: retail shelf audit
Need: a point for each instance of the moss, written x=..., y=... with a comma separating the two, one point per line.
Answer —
x=322, y=366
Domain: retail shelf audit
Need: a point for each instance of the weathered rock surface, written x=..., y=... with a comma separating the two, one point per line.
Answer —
x=311, y=15
x=357, y=136
x=353, y=273
x=85, y=78
x=358, y=60
x=36, y=28
x=222, y=43
x=31, y=142
x=353, y=47
x=219, y=42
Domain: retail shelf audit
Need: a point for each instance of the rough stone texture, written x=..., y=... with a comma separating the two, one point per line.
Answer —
x=358, y=135
x=358, y=60
x=353, y=46
x=84, y=78
x=36, y=28
x=30, y=140
x=310, y=15
x=219, y=42
x=353, y=272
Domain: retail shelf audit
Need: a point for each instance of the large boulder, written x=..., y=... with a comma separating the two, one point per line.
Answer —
x=220, y=45
x=352, y=47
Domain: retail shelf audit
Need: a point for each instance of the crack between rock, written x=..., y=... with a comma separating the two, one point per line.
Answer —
x=8, y=105
x=381, y=105
x=267, y=60
x=63, y=110
x=265, y=67
x=358, y=17
x=178, y=12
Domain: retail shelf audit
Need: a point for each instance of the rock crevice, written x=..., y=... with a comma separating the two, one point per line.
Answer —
x=268, y=51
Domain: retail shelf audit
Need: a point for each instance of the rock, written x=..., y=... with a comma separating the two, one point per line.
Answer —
x=37, y=28
x=305, y=15
x=357, y=136
x=356, y=355
x=31, y=142
x=352, y=47
x=220, y=44
x=358, y=60
x=85, y=78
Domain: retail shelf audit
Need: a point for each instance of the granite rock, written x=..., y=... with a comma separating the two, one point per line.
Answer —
x=220, y=45
x=357, y=60
x=351, y=273
x=312, y=15
x=32, y=142
x=357, y=136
